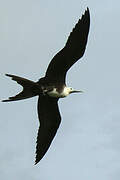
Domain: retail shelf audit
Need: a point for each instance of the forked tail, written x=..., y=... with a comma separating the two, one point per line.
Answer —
x=29, y=88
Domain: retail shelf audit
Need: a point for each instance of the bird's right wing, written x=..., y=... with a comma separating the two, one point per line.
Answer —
x=72, y=52
x=50, y=119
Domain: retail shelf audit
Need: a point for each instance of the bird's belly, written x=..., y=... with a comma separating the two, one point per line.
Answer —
x=56, y=94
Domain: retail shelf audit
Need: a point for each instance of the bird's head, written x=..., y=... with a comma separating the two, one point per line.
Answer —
x=71, y=90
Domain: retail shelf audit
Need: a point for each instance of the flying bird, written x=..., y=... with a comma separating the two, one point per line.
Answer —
x=52, y=86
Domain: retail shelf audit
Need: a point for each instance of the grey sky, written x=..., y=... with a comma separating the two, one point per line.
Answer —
x=87, y=145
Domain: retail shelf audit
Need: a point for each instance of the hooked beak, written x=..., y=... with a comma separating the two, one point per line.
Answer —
x=75, y=91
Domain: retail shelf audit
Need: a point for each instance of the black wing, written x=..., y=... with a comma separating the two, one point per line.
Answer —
x=72, y=52
x=50, y=119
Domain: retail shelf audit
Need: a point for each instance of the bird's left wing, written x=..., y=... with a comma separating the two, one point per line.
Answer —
x=49, y=117
x=72, y=52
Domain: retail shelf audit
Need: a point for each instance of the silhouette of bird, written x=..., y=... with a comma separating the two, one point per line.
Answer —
x=53, y=86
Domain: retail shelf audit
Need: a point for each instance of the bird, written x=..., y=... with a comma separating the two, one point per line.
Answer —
x=52, y=86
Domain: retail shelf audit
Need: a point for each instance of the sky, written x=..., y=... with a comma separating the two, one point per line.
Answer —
x=87, y=144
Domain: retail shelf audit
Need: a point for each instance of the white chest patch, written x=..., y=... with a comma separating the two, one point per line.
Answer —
x=55, y=93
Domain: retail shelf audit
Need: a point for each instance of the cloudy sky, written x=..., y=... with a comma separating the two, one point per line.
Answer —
x=87, y=145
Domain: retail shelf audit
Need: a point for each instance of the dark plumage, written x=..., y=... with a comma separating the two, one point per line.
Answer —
x=53, y=86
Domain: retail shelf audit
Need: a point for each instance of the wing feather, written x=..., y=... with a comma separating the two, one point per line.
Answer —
x=72, y=52
x=49, y=118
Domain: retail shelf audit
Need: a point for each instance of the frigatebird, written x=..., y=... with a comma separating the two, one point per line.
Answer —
x=52, y=86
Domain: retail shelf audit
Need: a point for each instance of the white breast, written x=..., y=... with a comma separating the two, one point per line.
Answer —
x=55, y=93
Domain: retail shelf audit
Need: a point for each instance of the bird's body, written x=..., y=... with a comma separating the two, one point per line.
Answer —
x=59, y=94
x=58, y=91
x=55, y=91
x=53, y=86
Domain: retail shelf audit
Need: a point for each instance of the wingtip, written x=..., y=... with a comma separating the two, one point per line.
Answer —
x=86, y=13
x=87, y=10
x=36, y=162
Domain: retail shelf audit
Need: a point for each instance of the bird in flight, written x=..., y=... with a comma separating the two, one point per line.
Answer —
x=53, y=86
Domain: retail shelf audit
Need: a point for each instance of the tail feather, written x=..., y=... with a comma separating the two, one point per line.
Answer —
x=22, y=81
x=29, y=88
x=22, y=95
